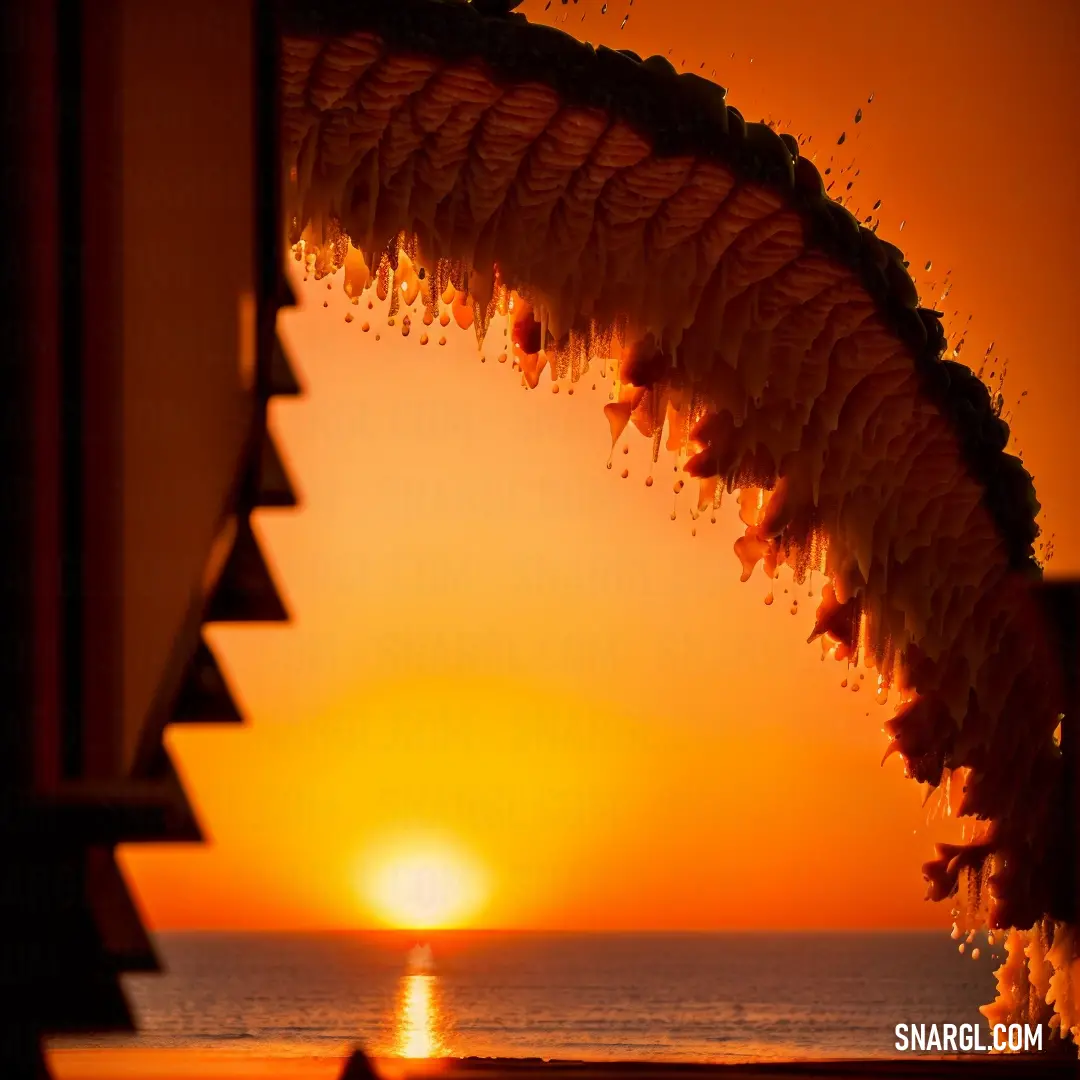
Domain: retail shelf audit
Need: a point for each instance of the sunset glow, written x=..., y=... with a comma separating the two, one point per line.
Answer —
x=495, y=634
x=422, y=889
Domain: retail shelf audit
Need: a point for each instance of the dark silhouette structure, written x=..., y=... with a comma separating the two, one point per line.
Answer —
x=136, y=374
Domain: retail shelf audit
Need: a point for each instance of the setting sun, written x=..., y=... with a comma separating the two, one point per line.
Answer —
x=422, y=888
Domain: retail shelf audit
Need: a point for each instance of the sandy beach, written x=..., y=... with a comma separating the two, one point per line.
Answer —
x=186, y=1065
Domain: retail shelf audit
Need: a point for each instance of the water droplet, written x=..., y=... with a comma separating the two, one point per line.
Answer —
x=423, y=339
x=625, y=473
x=975, y=954
x=366, y=327
x=843, y=136
x=648, y=481
x=348, y=316
x=768, y=597
x=858, y=115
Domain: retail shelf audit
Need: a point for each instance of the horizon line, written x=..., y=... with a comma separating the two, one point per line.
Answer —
x=422, y=930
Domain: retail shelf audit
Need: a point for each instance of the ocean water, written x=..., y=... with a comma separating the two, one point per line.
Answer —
x=672, y=997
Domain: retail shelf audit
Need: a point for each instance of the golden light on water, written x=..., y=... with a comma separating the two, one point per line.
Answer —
x=420, y=1019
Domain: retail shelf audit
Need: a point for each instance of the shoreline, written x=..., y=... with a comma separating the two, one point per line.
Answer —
x=170, y=1064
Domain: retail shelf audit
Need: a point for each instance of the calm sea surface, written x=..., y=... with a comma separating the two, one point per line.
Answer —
x=689, y=997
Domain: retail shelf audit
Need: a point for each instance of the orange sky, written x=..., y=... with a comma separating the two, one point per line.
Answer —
x=504, y=652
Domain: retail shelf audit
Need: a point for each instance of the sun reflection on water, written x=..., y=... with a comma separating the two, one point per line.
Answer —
x=420, y=1019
